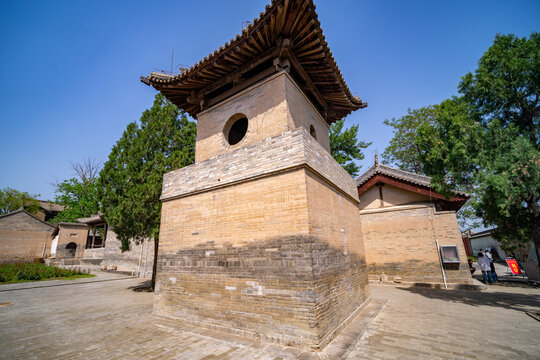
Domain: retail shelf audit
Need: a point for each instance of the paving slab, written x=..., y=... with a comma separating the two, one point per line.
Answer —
x=111, y=319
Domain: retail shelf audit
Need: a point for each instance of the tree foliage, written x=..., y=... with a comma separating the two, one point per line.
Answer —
x=506, y=85
x=131, y=180
x=503, y=95
x=12, y=200
x=78, y=194
x=487, y=141
x=403, y=150
x=345, y=147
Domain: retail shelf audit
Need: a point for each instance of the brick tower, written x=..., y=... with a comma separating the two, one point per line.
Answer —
x=261, y=236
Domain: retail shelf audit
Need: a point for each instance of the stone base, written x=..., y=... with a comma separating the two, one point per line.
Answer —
x=296, y=291
x=420, y=271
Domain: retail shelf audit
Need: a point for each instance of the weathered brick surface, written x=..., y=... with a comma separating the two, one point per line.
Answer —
x=23, y=221
x=23, y=237
x=447, y=232
x=139, y=258
x=335, y=219
x=400, y=241
x=279, y=257
x=302, y=114
x=272, y=106
x=75, y=233
x=22, y=245
x=291, y=290
x=272, y=155
x=95, y=253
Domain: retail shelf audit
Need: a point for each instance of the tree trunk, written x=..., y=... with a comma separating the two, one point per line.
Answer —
x=154, y=267
x=535, y=224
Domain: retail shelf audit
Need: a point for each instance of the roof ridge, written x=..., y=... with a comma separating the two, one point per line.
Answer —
x=403, y=175
x=24, y=211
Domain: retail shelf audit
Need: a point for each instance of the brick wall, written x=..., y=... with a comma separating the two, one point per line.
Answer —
x=339, y=265
x=302, y=114
x=23, y=245
x=256, y=257
x=71, y=233
x=95, y=253
x=400, y=241
x=448, y=233
x=22, y=237
x=272, y=106
x=141, y=253
x=279, y=153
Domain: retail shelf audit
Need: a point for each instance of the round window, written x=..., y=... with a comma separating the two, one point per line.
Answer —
x=236, y=128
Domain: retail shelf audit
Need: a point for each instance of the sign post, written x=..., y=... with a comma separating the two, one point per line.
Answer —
x=514, y=267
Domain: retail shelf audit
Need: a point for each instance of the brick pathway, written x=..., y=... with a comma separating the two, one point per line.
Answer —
x=109, y=320
x=453, y=324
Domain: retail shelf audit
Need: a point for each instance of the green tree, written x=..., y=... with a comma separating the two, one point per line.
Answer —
x=12, y=200
x=79, y=194
x=504, y=97
x=429, y=140
x=403, y=150
x=345, y=147
x=131, y=180
x=495, y=148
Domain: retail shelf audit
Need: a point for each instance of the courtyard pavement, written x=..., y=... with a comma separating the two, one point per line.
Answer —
x=108, y=318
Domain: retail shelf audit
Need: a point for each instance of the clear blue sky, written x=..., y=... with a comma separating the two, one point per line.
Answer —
x=70, y=69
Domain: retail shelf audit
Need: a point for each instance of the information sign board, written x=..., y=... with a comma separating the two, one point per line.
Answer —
x=513, y=266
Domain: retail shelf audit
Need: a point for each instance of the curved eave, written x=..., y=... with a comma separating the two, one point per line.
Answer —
x=291, y=19
x=454, y=202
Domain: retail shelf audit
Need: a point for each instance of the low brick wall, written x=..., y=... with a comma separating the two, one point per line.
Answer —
x=24, y=237
x=96, y=253
x=128, y=260
x=21, y=245
x=71, y=233
x=400, y=242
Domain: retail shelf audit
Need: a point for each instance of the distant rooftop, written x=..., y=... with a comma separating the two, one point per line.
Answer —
x=50, y=206
x=383, y=174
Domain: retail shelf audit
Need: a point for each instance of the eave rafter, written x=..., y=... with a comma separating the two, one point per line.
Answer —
x=286, y=35
x=452, y=203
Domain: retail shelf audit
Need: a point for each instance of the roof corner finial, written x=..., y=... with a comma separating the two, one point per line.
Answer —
x=376, y=159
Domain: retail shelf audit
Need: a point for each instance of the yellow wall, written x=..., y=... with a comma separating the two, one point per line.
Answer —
x=392, y=196
x=272, y=107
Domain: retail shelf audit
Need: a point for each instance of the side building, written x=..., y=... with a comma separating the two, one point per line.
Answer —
x=23, y=237
x=91, y=241
x=402, y=220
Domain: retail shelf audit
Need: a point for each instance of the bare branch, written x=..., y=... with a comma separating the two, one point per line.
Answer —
x=87, y=171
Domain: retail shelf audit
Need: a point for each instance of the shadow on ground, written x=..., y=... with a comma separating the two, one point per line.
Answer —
x=145, y=286
x=516, y=301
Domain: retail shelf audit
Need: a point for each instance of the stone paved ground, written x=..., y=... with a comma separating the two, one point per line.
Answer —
x=109, y=320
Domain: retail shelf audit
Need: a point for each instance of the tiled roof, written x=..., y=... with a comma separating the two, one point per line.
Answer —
x=91, y=219
x=71, y=224
x=402, y=175
x=295, y=20
x=50, y=206
x=27, y=213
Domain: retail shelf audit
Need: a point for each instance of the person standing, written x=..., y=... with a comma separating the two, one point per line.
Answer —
x=483, y=261
x=489, y=255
